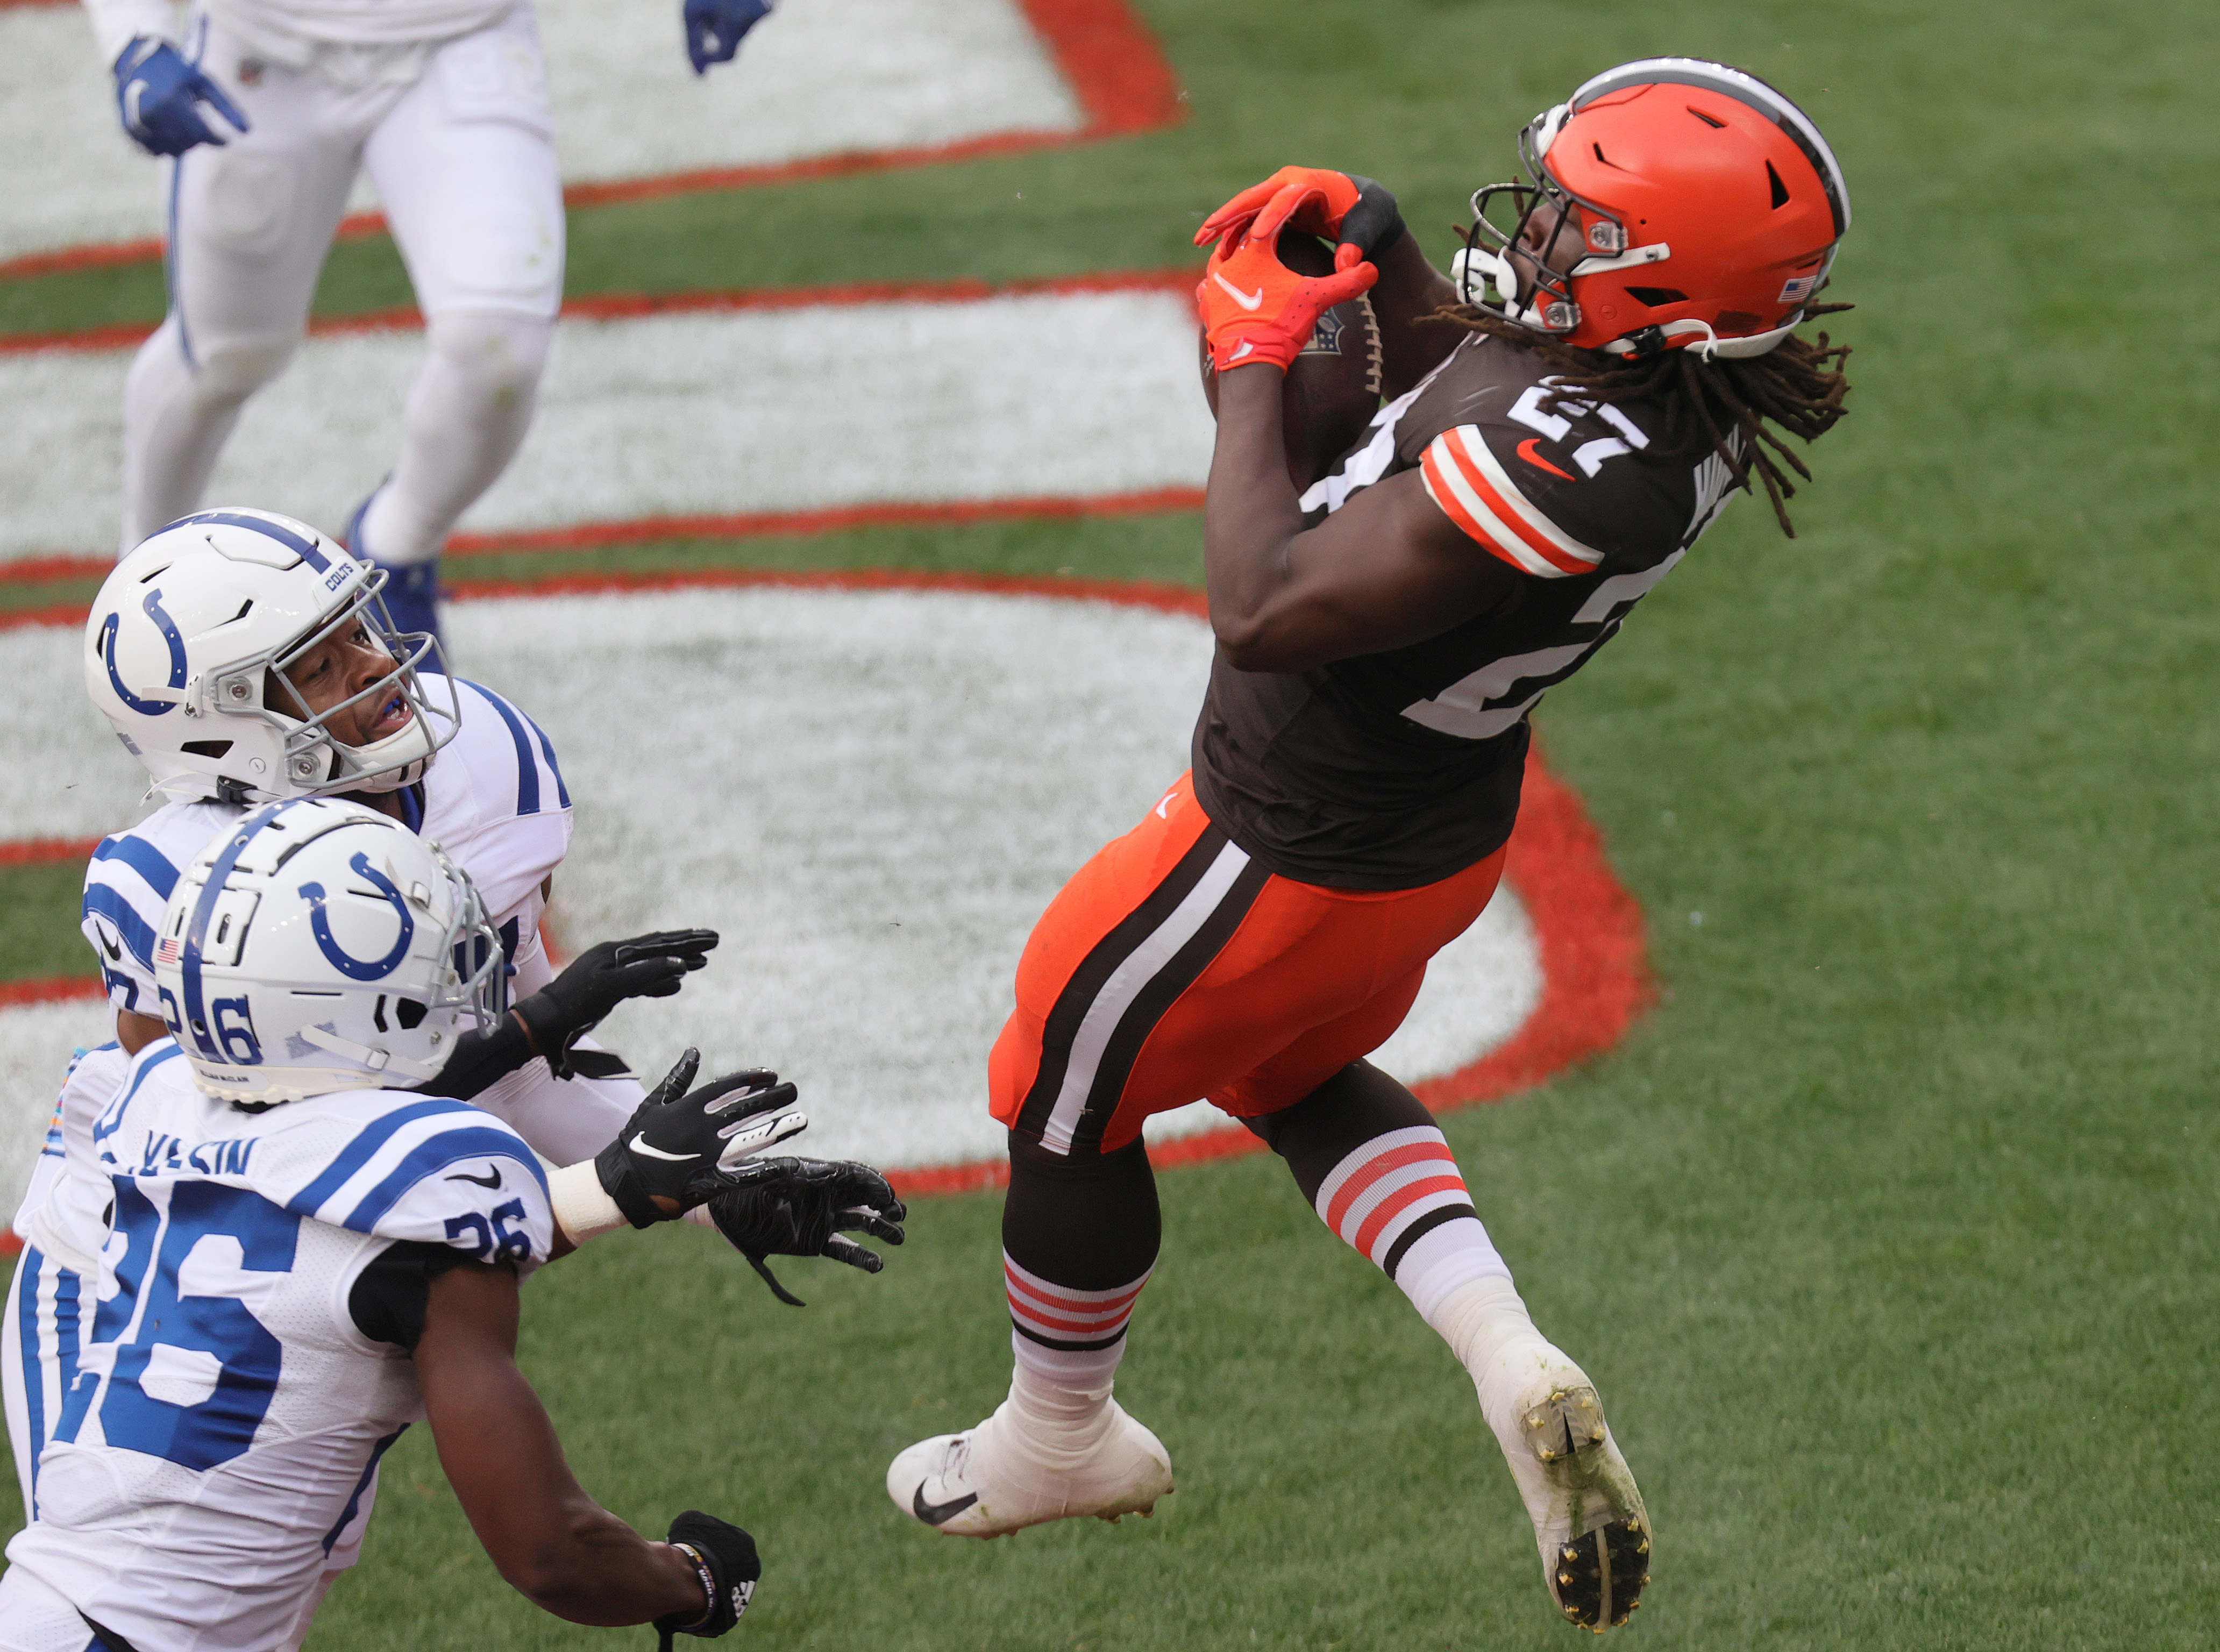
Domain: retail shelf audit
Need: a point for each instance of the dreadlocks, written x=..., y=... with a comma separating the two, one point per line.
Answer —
x=1721, y=404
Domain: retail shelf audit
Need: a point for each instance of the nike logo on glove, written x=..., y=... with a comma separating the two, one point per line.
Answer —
x=493, y=1181
x=638, y=1145
x=934, y=1514
x=1247, y=301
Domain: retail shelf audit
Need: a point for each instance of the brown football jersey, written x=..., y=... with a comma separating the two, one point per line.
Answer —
x=1394, y=770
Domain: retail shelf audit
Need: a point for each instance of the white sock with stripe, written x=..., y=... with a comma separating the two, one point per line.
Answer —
x=1066, y=1344
x=1400, y=1200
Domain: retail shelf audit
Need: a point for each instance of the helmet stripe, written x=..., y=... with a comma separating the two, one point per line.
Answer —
x=196, y=1010
x=306, y=549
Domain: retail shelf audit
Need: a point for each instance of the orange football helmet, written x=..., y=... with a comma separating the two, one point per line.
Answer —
x=1675, y=203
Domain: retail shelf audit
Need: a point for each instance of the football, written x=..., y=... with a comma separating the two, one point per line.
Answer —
x=1333, y=390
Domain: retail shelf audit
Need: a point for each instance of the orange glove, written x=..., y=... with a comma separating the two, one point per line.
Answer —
x=1353, y=211
x=1254, y=308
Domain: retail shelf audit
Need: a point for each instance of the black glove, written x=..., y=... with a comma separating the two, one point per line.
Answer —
x=726, y=1557
x=1375, y=222
x=601, y=978
x=684, y=1145
x=800, y=1208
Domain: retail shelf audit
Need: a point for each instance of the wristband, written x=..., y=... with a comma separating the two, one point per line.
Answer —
x=584, y=1209
x=708, y=1580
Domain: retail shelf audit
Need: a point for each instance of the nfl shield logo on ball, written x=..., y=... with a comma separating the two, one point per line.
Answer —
x=1325, y=338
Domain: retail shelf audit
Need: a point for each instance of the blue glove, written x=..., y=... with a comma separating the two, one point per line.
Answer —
x=714, y=28
x=158, y=93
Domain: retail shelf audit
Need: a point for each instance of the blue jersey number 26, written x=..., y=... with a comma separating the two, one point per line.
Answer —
x=184, y=1343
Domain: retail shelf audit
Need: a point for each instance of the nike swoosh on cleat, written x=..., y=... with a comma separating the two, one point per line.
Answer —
x=493, y=1181
x=935, y=1514
x=638, y=1145
x=1526, y=452
x=1247, y=301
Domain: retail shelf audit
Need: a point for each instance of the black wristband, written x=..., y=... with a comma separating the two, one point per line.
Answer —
x=708, y=1578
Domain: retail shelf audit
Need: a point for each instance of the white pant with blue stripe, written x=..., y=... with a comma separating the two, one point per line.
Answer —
x=39, y=1351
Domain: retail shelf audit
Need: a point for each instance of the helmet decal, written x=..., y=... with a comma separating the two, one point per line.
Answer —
x=146, y=708
x=345, y=963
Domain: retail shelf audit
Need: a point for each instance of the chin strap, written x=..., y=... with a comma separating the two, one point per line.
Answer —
x=369, y=1059
x=1648, y=340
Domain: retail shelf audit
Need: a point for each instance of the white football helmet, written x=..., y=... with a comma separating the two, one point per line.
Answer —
x=188, y=642
x=317, y=945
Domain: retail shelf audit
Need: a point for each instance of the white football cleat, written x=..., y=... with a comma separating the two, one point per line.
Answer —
x=1588, y=1519
x=997, y=1478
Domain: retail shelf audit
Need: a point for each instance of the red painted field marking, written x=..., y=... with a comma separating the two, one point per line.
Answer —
x=1104, y=50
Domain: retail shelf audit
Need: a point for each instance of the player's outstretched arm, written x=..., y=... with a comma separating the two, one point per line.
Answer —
x=551, y=1021
x=548, y=1539
x=1387, y=570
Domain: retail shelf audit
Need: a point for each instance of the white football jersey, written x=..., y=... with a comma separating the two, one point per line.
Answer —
x=228, y=1413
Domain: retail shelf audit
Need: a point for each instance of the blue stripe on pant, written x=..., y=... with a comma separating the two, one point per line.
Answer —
x=44, y=1310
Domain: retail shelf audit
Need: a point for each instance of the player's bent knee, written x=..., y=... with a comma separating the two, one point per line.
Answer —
x=231, y=371
x=498, y=355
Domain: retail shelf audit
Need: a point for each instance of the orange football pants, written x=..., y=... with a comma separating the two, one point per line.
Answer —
x=1172, y=967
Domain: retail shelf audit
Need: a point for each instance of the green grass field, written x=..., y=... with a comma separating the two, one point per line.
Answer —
x=1890, y=1235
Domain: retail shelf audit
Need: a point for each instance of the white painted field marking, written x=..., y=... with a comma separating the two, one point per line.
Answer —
x=871, y=794
x=706, y=412
x=818, y=78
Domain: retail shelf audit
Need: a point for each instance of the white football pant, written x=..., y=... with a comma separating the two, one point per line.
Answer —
x=457, y=143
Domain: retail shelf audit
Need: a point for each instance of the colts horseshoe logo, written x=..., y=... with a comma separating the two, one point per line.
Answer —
x=146, y=708
x=345, y=963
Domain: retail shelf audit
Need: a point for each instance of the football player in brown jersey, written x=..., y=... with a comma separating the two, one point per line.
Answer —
x=1571, y=408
